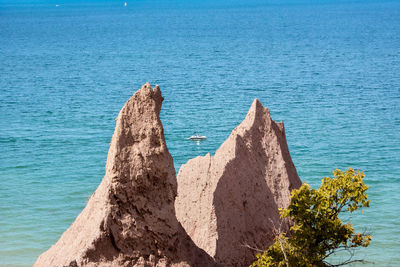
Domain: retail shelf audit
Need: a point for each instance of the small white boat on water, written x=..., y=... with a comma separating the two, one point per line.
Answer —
x=197, y=137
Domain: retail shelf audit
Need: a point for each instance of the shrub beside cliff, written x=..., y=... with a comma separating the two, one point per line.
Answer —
x=318, y=232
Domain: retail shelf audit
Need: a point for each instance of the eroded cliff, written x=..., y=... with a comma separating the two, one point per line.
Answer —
x=226, y=203
x=229, y=201
x=130, y=219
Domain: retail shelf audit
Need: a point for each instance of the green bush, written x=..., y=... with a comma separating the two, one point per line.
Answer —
x=318, y=231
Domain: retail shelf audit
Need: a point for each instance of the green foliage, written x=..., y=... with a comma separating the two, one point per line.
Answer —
x=317, y=231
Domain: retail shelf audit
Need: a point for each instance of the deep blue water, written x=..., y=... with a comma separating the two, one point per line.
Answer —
x=330, y=71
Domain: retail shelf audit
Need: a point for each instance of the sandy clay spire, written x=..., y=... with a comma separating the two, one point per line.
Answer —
x=230, y=201
x=130, y=219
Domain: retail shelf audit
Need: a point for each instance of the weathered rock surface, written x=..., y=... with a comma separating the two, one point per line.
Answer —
x=130, y=219
x=231, y=199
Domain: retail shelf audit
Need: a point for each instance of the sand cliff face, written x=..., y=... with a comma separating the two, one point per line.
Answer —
x=130, y=219
x=230, y=200
x=224, y=202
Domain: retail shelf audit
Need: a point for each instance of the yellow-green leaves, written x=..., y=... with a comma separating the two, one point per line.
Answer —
x=345, y=190
x=318, y=231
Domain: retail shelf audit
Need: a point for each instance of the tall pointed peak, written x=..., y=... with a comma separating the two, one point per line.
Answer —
x=130, y=219
x=256, y=115
x=238, y=190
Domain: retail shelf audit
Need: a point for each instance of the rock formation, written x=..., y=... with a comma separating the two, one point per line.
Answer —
x=226, y=203
x=130, y=219
x=230, y=201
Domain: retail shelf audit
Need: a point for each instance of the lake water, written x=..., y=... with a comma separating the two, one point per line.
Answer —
x=330, y=71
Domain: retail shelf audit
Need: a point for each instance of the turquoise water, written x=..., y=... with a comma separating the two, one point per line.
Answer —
x=330, y=71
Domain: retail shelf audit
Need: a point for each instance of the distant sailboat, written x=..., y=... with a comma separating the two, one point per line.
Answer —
x=125, y=4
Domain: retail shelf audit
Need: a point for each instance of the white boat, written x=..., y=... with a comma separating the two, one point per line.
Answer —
x=197, y=137
x=125, y=4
